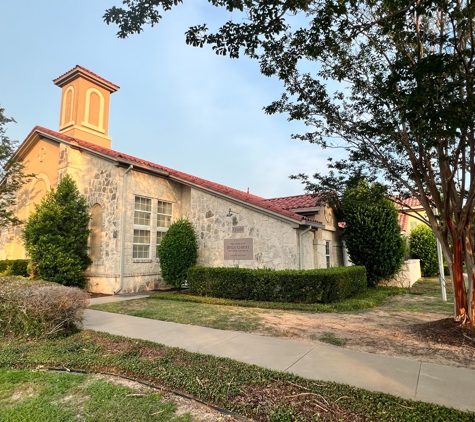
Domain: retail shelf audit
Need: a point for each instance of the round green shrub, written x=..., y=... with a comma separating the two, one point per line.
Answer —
x=178, y=252
x=423, y=246
x=372, y=233
x=56, y=235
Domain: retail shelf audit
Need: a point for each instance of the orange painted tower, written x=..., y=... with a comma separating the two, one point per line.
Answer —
x=85, y=101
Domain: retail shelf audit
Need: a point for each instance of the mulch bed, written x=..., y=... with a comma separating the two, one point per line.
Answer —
x=445, y=331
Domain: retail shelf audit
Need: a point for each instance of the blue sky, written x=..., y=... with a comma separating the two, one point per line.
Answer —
x=178, y=106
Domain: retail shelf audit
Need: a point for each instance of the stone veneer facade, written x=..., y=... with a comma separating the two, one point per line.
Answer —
x=276, y=241
x=81, y=149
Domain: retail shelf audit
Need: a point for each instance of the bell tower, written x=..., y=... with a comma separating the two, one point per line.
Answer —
x=85, y=100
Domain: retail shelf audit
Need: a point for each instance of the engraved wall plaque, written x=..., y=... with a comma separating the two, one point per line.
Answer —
x=238, y=229
x=238, y=249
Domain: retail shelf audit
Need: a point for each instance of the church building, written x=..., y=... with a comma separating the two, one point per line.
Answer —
x=133, y=202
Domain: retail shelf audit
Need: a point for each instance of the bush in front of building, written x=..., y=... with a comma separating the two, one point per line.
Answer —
x=423, y=246
x=37, y=308
x=56, y=235
x=302, y=286
x=14, y=267
x=372, y=233
x=178, y=252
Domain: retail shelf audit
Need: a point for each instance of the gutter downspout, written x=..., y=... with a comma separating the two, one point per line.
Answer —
x=301, y=246
x=122, y=231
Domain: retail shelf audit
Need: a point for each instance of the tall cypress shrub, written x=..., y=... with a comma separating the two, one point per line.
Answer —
x=372, y=233
x=56, y=235
x=178, y=252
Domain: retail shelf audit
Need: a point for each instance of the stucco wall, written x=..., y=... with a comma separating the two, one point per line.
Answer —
x=42, y=161
x=321, y=237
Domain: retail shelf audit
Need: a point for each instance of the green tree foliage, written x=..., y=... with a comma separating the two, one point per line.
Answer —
x=56, y=235
x=423, y=246
x=372, y=233
x=401, y=105
x=12, y=176
x=178, y=252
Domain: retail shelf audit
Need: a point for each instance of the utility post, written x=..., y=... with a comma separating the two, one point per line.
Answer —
x=441, y=266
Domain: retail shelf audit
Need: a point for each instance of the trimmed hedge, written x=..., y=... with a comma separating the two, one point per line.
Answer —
x=302, y=286
x=16, y=267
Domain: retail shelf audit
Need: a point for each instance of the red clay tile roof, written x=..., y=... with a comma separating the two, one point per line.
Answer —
x=402, y=220
x=234, y=193
x=411, y=202
x=96, y=76
x=294, y=202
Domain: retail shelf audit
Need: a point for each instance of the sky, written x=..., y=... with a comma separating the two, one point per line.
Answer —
x=178, y=106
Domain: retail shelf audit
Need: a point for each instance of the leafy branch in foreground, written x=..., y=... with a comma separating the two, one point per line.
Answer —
x=404, y=111
x=12, y=176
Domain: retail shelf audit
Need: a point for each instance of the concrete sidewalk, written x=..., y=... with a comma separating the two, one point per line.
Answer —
x=406, y=378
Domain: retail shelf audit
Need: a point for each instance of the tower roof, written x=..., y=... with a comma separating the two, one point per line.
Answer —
x=86, y=74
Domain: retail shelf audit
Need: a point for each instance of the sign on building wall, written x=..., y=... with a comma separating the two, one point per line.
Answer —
x=238, y=229
x=238, y=249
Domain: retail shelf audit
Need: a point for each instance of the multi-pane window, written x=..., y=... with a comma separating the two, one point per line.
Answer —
x=164, y=219
x=328, y=253
x=143, y=211
x=164, y=214
x=145, y=225
x=159, y=240
x=142, y=220
x=141, y=248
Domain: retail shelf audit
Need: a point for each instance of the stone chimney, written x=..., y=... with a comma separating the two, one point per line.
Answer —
x=85, y=102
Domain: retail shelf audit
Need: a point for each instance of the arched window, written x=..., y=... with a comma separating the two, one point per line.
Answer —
x=68, y=106
x=94, y=113
x=38, y=188
x=94, y=109
x=95, y=238
x=37, y=193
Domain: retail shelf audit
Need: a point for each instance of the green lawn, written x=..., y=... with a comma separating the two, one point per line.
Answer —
x=257, y=393
x=240, y=315
x=53, y=397
x=220, y=317
x=233, y=314
x=249, y=316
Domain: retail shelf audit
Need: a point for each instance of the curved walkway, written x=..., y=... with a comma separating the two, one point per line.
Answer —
x=412, y=379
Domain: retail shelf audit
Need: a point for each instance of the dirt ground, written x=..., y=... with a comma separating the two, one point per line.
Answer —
x=426, y=336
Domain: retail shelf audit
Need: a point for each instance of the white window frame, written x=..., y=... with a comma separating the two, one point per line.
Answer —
x=142, y=228
x=328, y=253
x=162, y=229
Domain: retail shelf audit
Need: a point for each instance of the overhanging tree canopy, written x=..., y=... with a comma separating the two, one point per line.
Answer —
x=405, y=111
x=12, y=177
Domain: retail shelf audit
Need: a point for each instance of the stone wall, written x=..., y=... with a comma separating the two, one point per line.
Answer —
x=275, y=243
x=145, y=274
x=99, y=181
x=410, y=272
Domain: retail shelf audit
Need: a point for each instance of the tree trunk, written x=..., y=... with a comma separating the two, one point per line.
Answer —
x=460, y=298
x=469, y=263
